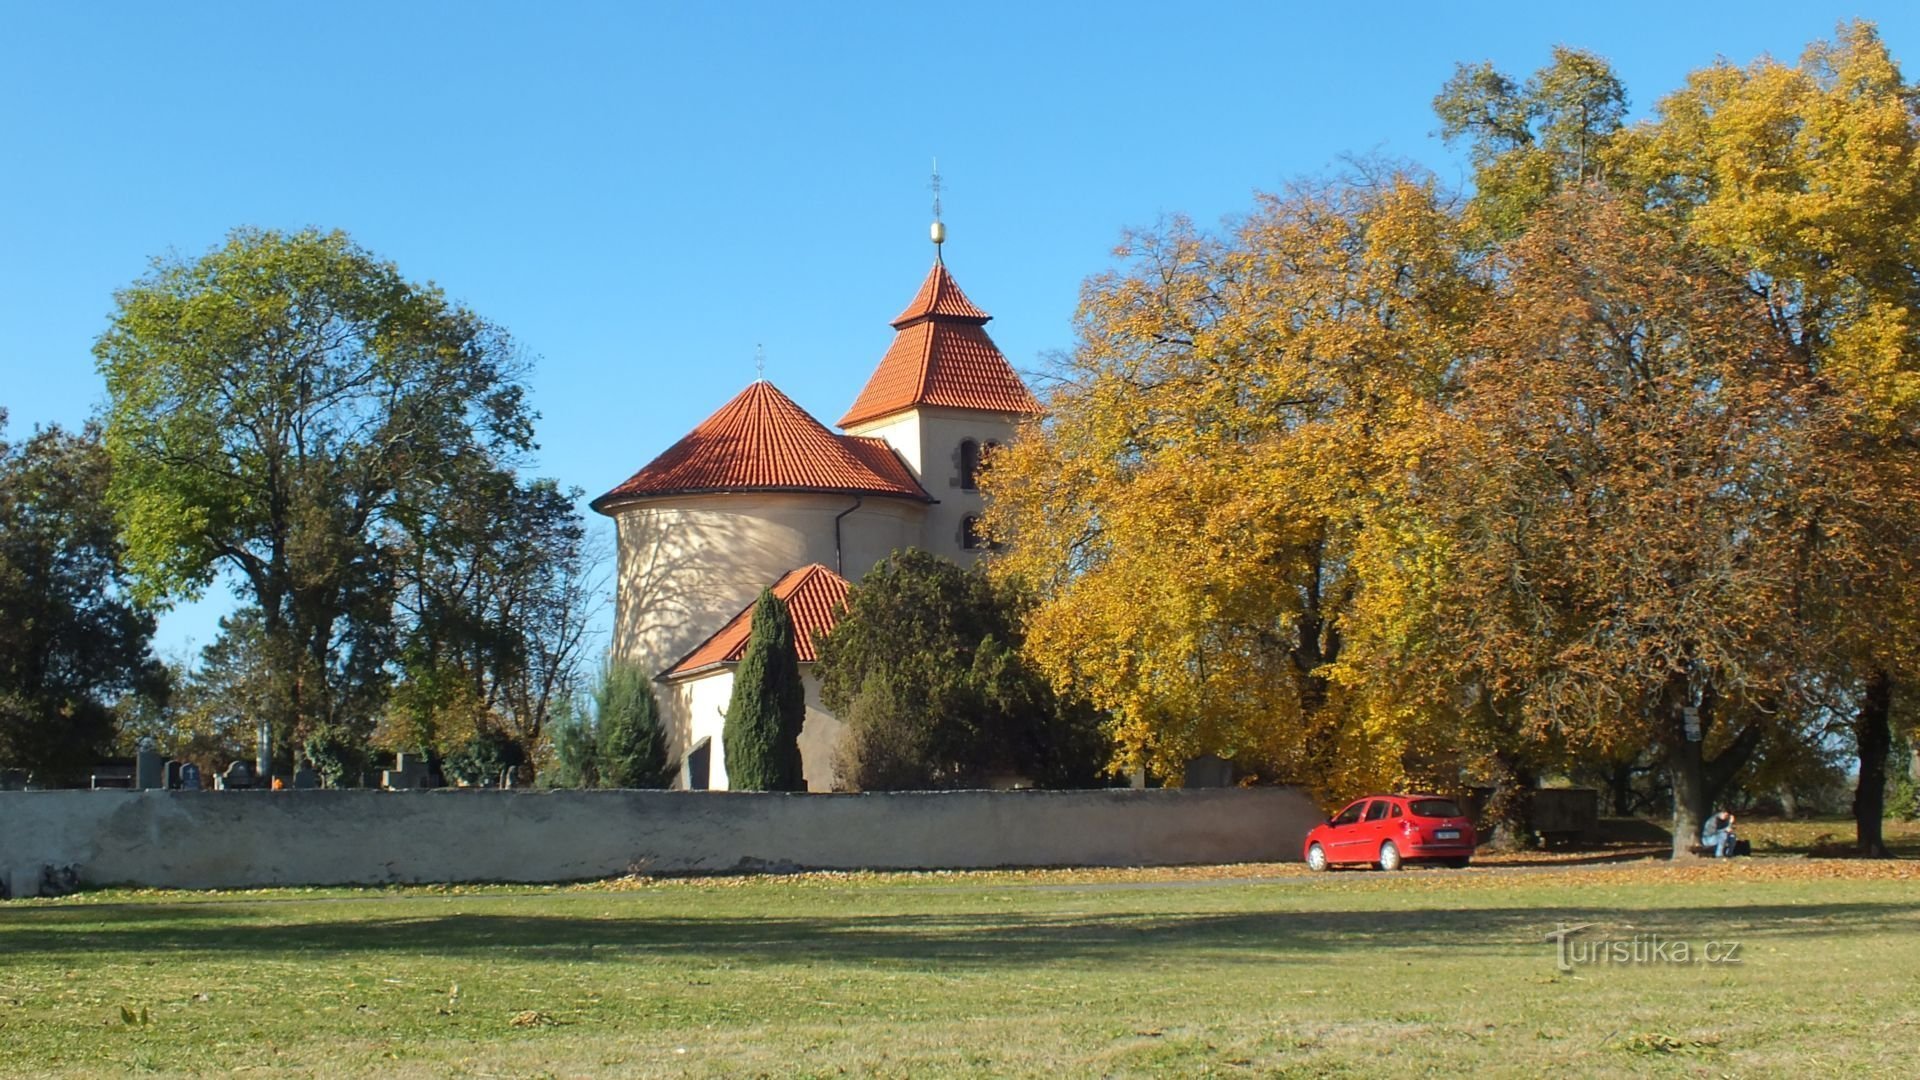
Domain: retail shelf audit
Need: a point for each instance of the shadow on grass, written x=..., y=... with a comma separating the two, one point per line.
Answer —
x=947, y=939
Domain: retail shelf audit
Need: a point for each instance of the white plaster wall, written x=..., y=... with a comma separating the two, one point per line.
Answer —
x=929, y=439
x=198, y=840
x=688, y=564
x=707, y=697
x=902, y=432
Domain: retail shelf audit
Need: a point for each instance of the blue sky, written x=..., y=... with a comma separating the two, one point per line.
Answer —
x=644, y=192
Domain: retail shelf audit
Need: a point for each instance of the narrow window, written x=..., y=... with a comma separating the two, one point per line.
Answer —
x=970, y=533
x=969, y=465
x=700, y=766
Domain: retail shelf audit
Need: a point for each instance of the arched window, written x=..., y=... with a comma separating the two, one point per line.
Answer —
x=969, y=464
x=970, y=537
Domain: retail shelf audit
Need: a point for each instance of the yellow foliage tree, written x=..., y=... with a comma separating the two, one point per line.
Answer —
x=1241, y=411
x=1807, y=177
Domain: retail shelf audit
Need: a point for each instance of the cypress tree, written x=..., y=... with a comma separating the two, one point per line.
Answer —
x=768, y=707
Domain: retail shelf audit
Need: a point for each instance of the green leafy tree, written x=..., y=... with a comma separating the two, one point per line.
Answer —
x=286, y=410
x=494, y=601
x=1531, y=140
x=761, y=736
x=631, y=740
x=925, y=669
x=484, y=760
x=213, y=715
x=71, y=640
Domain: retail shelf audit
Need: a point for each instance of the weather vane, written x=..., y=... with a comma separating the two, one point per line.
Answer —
x=939, y=227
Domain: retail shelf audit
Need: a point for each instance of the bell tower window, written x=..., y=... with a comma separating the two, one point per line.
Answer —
x=969, y=464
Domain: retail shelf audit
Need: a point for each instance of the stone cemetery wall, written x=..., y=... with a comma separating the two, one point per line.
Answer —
x=206, y=839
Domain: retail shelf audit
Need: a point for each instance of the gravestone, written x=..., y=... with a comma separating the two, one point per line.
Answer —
x=173, y=776
x=304, y=778
x=238, y=777
x=149, y=768
x=1208, y=771
x=190, y=777
x=409, y=771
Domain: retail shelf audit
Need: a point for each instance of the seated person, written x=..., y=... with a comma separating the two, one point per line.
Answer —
x=1717, y=834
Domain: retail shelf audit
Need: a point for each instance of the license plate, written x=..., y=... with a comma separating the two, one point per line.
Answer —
x=1446, y=834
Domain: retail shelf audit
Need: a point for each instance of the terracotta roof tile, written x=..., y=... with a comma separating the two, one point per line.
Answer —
x=941, y=355
x=940, y=295
x=815, y=596
x=762, y=441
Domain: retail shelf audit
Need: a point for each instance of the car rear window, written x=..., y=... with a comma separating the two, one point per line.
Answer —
x=1435, y=808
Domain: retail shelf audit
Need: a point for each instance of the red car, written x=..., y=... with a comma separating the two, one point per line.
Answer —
x=1391, y=830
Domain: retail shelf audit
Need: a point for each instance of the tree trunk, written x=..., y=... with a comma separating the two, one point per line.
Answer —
x=1873, y=732
x=1686, y=771
x=1620, y=784
x=1509, y=812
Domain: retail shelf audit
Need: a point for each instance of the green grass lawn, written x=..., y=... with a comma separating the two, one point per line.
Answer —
x=1237, y=971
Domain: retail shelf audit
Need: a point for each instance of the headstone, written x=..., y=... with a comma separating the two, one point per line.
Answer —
x=1208, y=771
x=304, y=778
x=149, y=768
x=409, y=771
x=173, y=776
x=238, y=777
x=190, y=777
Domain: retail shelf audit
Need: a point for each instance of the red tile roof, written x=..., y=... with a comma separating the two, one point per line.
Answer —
x=940, y=295
x=941, y=355
x=762, y=441
x=815, y=596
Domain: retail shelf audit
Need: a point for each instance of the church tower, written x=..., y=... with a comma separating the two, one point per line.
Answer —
x=944, y=397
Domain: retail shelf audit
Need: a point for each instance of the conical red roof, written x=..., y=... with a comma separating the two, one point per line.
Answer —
x=762, y=441
x=940, y=295
x=814, y=596
x=942, y=356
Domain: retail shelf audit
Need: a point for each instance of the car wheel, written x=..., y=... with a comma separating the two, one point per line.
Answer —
x=1389, y=856
x=1317, y=858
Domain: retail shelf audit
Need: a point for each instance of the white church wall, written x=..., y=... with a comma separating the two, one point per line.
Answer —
x=902, y=432
x=690, y=563
x=704, y=701
x=929, y=438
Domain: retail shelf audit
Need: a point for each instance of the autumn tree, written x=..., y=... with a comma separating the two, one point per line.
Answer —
x=1627, y=489
x=1222, y=440
x=283, y=410
x=72, y=642
x=761, y=736
x=1807, y=178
